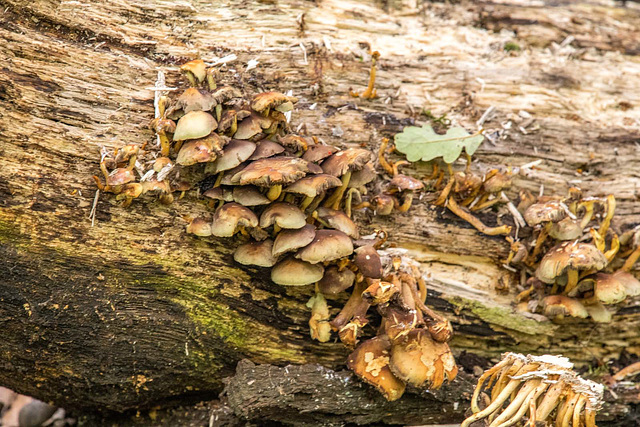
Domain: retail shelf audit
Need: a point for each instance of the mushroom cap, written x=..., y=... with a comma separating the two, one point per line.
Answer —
x=340, y=221
x=368, y=261
x=295, y=142
x=561, y=306
x=256, y=253
x=608, y=289
x=379, y=292
x=132, y=189
x=162, y=126
x=599, y=313
x=264, y=100
x=363, y=176
x=248, y=195
x=334, y=281
x=327, y=245
x=227, y=179
x=318, y=152
x=120, y=176
x=194, y=99
x=398, y=321
x=550, y=211
x=236, y=152
x=293, y=272
x=193, y=125
x=272, y=171
x=228, y=217
x=370, y=362
x=219, y=193
x=181, y=185
x=284, y=214
x=199, y=227
x=405, y=183
x=351, y=159
x=225, y=93
x=251, y=126
x=383, y=204
x=419, y=360
x=498, y=182
x=160, y=163
x=314, y=185
x=196, y=67
x=566, y=229
x=630, y=283
x=578, y=256
x=266, y=148
x=290, y=240
x=156, y=187
x=195, y=151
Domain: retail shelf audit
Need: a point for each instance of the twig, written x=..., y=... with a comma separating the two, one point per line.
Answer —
x=92, y=214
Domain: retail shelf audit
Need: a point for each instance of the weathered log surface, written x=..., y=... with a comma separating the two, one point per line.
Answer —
x=132, y=312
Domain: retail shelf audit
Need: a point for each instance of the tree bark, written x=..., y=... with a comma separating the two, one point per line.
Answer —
x=132, y=312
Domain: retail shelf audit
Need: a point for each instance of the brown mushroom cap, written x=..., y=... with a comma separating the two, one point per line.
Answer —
x=196, y=67
x=256, y=253
x=559, y=306
x=266, y=148
x=313, y=185
x=196, y=151
x=199, y=227
x=630, y=283
x=550, y=211
x=120, y=176
x=608, y=289
x=227, y=179
x=284, y=215
x=335, y=281
x=317, y=152
x=340, y=221
x=368, y=261
x=272, y=171
x=498, y=182
x=599, y=313
x=132, y=189
x=194, y=99
x=248, y=195
x=566, y=229
x=265, y=100
x=162, y=126
x=419, y=360
x=160, y=163
x=370, y=361
x=578, y=256
x=219, y=193
x=295, y=142
x=251, y=126
x=156, y=187
x=193, y=125
x=327, y=245
x=383, y=204
x=236, y=152
x=293, y=272
x=363, y=176
x=351, y=159
x=290, y=240
x=229, y=217
x=226, y=93
x=405, y=183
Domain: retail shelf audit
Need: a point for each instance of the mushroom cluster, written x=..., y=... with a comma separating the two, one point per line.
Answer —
x=286, y=200
x=571, y=265
x=540, y=389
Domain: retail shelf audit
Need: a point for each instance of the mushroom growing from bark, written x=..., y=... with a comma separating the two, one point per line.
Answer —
x=273, y=172
x=559, y=307
x=291, y=240
x=313, y=186
x=336, y=281
x=405, y=185
x=194, y=125
x=319, y=322
x=327, y=245
x=230, y=218
x=195, y=71
x=265, y=101
x=283, y=215
x=256, y=253
x=293, y=272
x=338, y=220
x=343, y=164
x=199, y=227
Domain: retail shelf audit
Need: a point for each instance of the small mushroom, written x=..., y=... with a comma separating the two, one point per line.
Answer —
x=295, y=143
x=162, y=127
x=599, y=313
x=219, y=193
x=339, y=221
x=195, y=71
x=198, y=150
x=538, y=213
x=248, y=195
x=335, y=281
x=293, y=272
x=569, y=257
x=327, y=245
x=265, y=101
x=406, y=185
x=312, y=187
x=199, y=227
x=252, y=126
x=236, y=152
x=566, y=229
x=194, y=125
x=256, y=253
x=283, y=215
x=607, y=289
x=379, y=292
x=559, y=307
x=291, y=240
x=630, y=283
x=273, y=172
x=422, y=362
x=370, y=361
x=364, y=176
x=194, y=99
x=265, y=149
x=230, y=218
x=318, y=152
x=342, y=164
x=368, y=261
x=383, y=204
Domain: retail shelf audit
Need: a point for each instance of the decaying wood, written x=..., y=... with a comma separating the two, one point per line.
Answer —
x=133, y=312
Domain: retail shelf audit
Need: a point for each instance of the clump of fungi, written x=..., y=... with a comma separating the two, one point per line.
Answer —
x=287, y=200
x=538, y=389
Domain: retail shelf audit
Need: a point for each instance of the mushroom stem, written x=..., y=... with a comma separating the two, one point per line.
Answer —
x=274, y=192
x=589, y=417
x=542, y=236
x=381, y=159
x=516, y=403
x=572, y=280
x=628, y=264
x=165, y=144
x=406, y=204
x=162, y=105
x=333, y=202
x=352, y=306
x=347, y=202
x=234, y=126
x=486, y=204
x=613, y=250
x=494, y=405
x=475, y=222
x=598, y=239
x=611, y=207
x=582, y=400
x=192, y=80
x=495, y=369
x=447, y=189
x=397, y=164
x=218, y=180
x=588, y=213
x=435, y=170
x=218, y=112
x=527, y=404
x=549, y=401
x=370, y=92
